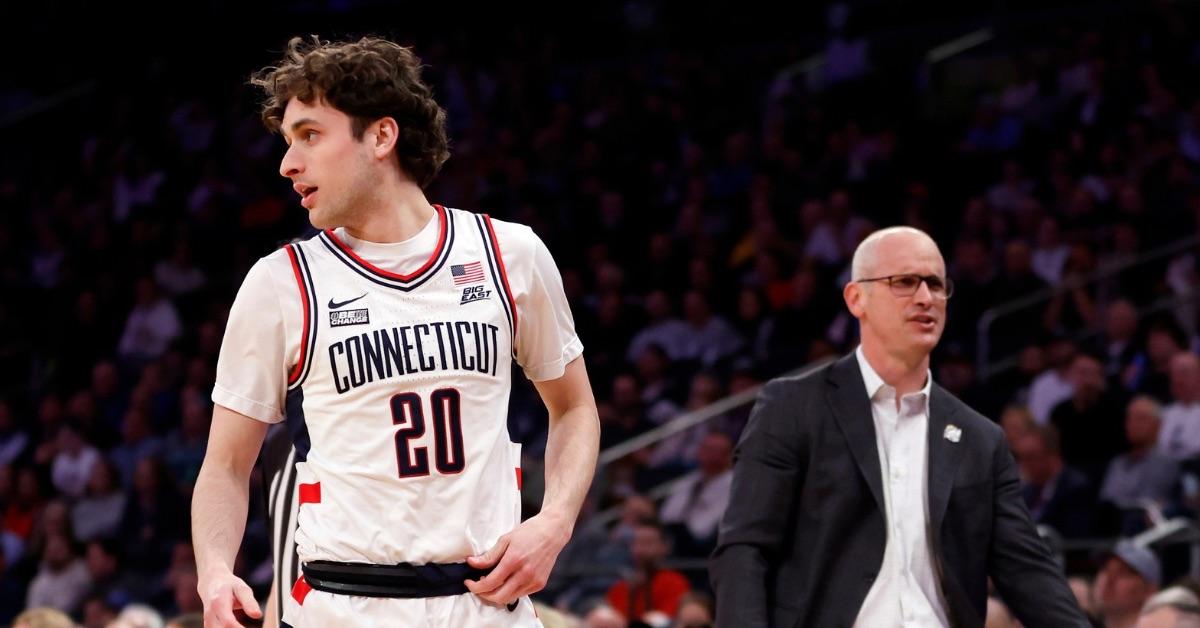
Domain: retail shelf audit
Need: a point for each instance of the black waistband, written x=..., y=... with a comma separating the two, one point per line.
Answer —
x=403, y=580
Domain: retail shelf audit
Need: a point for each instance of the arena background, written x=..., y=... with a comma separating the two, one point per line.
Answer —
x=700, y=171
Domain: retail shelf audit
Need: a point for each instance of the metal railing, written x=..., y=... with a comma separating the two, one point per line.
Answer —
x=987, y=367
x=691, y=419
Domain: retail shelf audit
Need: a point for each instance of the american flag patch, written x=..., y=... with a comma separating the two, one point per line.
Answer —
x=467, y=273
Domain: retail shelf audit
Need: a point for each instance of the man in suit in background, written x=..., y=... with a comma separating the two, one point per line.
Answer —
x=866, y=495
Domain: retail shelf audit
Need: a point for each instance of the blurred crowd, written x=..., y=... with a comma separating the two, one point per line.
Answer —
x=703, y=206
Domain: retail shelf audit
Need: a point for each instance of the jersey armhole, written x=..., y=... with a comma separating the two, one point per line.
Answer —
x=308, y=301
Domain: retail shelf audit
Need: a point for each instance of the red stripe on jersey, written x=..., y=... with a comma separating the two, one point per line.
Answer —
x=519, y=482
x=310, y=493
x=503, y=277
x=301, y=590
x=442, y=218
x=296, y=370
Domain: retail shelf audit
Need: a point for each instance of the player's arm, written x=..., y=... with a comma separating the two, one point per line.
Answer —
x=271, y=614
x=525, y=556
x=572, y=444
x=219, y=506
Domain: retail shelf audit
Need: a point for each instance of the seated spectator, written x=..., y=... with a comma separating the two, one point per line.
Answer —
x=585, y=566
x=97, y=611
x=1129, y=576
x=1016, y=421
x=658, y=387
x=98, y=514
x=1052, y=386
x=178, y=274
x=138, y=616
x=604, y=616
x=137, y=443
x=1174, y=607
x=1118, y=344
x=624, y=416
x=710, y=338
x=152, y=325
x=1081, y=586
x=695, y=611
x=109, y=580
x=153, y=519
x=662, y=329
x=73, y=462
x=1179, y=438
x=1091, y=422
x=692, y=511
x=26, y=506
x=43, y=618
x=62, y=580
x=184, y=447
x=1143, y=473
x=649, y=587
x=1057, y=495
x=677, y=452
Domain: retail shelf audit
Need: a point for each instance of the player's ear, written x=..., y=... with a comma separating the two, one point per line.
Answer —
x=383, y=135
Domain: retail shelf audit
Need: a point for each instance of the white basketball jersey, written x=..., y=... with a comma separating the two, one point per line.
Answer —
x=398, y=403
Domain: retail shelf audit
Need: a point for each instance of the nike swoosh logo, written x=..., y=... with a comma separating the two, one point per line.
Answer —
x=333, y=305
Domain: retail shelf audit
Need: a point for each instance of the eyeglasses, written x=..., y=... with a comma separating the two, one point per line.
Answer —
x=907, y=285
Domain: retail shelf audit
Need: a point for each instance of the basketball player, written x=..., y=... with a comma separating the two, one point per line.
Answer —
x=386, y=341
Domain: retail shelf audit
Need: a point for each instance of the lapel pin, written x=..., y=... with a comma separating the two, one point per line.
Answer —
x=952, y=433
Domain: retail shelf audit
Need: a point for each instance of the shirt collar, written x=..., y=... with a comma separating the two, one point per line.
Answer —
x=874, y=383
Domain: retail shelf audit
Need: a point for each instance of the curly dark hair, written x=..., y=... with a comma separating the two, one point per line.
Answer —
x=367, y=80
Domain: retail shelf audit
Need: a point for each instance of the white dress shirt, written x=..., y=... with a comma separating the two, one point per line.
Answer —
x=698, y=503
x=1179, y=437
x=906, y=591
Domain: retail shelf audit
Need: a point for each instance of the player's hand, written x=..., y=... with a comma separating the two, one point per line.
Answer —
x=222, y=594
x=523, y=559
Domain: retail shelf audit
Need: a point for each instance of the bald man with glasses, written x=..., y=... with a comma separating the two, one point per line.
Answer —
x=866, y=495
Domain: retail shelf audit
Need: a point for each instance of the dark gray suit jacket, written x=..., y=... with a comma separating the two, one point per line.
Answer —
x=803, y=537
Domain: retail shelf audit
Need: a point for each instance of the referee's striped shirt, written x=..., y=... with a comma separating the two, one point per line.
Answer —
x=279, y=465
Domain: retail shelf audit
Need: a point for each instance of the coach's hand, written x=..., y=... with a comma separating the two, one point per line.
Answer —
x=523, y=559
x=223, y=593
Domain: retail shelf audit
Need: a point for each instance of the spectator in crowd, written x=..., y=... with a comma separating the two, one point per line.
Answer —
x=710, y=338
x=152, y=519
x=662, y=329
x=73, y=462
x=649, y=587
x=1118, y=343
x=695, y=611
x=62, y=580
x=1053, y=386
x=1151, y=372
x=693, y=510
x=1057, y=495
x=1090, y=423
x=1179, y=437
x=98, y=514
x=1174, y=607
x=43, y=618
x=1127, y=579
x=1142, y=474
x=152, y=325
x=604, y=616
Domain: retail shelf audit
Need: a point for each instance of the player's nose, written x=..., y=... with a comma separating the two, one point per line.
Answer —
x=291, y=164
